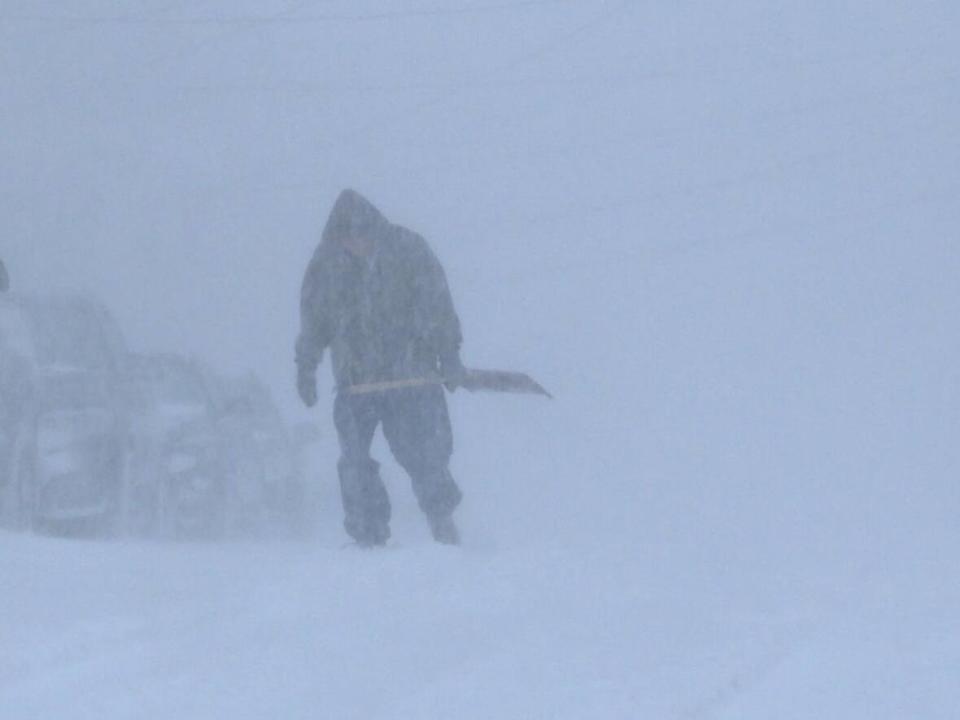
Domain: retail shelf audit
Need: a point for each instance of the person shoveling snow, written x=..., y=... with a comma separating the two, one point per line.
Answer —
x=377, y=296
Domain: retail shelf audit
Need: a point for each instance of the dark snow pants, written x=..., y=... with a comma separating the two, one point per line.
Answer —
x=416, y=424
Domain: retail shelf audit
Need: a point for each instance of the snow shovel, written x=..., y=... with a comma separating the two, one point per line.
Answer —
x=489, y=380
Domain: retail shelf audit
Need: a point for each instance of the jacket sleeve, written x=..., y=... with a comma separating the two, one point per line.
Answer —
x=438, y=324
x=316, y=329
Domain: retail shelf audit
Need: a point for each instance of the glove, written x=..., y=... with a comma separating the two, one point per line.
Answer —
x=307, y=386
x=453, y=371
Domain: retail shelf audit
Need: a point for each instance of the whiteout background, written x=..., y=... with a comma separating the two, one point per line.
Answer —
x=725, y=235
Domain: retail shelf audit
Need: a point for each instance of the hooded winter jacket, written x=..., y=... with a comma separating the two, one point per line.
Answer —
x=388, y=316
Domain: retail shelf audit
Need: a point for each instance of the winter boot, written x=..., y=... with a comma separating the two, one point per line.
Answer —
x=375, y=537
x=444, y=530
x=368, y=535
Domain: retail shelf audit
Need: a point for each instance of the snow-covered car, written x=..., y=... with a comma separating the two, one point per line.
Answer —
x=177, y=486
x=62, y=418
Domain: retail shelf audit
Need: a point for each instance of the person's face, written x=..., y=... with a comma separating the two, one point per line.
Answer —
x=358, y=246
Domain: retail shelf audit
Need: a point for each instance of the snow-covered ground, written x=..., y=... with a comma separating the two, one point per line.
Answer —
x=667, y=628
x=725, y=235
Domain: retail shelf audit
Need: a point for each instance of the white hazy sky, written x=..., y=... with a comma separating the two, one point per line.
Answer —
x=178, y=158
